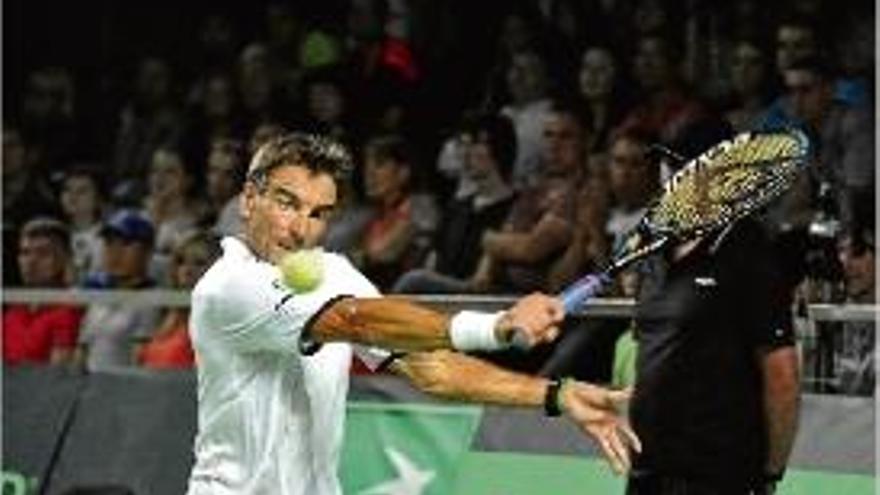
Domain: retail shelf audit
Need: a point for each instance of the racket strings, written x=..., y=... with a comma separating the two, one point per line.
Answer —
x=728, y=182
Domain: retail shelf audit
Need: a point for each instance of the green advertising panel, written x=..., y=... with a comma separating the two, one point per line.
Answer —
x=405, y=449
x=410, y=449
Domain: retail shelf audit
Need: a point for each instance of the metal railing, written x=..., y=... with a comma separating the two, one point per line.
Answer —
x=821, y=329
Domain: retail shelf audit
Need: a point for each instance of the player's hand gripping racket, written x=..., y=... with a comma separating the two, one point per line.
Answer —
x=725, y=183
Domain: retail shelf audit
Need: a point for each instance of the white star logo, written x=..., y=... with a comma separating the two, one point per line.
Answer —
x=410, y=479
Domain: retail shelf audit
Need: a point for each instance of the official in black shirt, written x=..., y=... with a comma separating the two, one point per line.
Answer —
x=716, y=394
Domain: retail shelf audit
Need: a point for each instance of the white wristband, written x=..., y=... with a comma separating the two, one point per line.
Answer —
x=475, y=331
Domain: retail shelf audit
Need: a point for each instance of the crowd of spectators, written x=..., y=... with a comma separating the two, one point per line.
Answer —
x=501, y=149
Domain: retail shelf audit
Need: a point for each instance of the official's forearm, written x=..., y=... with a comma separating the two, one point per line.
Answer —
x=389, y=322
x=781, y=404
x=460, y=377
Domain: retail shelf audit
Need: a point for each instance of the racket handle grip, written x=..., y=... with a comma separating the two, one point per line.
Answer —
x=572, y=299
x=578, y=293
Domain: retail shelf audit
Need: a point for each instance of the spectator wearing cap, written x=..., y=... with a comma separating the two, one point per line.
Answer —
x=41, y=333
x=110, y=331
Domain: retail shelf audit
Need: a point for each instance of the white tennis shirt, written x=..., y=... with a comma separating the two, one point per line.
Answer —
x=270, y=418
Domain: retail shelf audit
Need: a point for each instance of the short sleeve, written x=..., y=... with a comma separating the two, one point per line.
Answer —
x=769, y=310
x=248, y=308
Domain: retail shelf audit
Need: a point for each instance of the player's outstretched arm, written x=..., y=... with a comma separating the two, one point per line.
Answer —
x=396, y=323
x=595, y=410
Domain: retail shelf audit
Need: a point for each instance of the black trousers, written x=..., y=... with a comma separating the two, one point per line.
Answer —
x=676, y=485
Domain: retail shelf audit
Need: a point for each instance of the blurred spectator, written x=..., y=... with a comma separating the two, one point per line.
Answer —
x=601, y=87
x=171, y=204
x=519, y=256
x=42, y=334
x=529, y=106
x=327, y=105
x=227, y=164
x=169, y=346
x=214, y=113
x=752, y=83
x=26, y=195
x=82, y=201
x=229, y=221
x=490, y=152
x=383, y=69
x=150, y=118
x=666, y=105
x=590, y=244
x=258, y=87
x=109, y=332
x=634, y=179
x=48, y=118
x=843, y=135
x=796, y=39
x=398, y=236
x=856, y=360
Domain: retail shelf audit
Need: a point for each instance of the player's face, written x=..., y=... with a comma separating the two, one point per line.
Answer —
x=290, y=212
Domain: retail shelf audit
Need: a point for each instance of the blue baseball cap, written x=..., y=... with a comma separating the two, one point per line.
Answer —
x=130, y=225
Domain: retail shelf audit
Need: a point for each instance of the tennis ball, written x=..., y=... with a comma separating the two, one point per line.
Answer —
x=302, y=270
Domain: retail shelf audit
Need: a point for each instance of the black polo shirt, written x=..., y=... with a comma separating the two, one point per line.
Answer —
x=700, y=322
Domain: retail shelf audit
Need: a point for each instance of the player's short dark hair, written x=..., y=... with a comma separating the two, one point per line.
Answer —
x=317, y=153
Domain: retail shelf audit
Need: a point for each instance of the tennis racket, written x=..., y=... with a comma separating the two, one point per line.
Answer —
x=725, y=183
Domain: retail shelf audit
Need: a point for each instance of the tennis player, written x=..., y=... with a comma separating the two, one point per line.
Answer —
x=273, y=365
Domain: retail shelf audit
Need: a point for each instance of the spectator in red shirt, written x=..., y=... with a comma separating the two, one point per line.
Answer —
x=169, y=347
x=46, y=333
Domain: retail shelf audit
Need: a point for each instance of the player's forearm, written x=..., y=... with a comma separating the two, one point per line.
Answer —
x=781, y=405
x=461, y=377
x=389, y=322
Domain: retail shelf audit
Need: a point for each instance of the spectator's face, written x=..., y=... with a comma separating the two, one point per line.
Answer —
x=290, y=213
x=153, y=81
x=810, y=95
x=630, y=174
x=325, y=102
x=747, y=71
x=384, y=179
x=221, y=179
x=563, y=143
x=480, y=165
x=597, y=74
x=190, y=263
x=218, y=97
x=653, y=69
x=125, y=259
x=793, y=43
x=859, y=270
x=79, y=197
x=526, y=77
x=42, y=262
x=167, y=176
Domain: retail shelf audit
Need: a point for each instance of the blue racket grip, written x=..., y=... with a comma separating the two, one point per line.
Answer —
x=578, y=293
x=573, y=298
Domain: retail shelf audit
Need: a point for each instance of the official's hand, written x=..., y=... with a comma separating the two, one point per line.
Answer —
x=596, y=410
x=535, y=318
